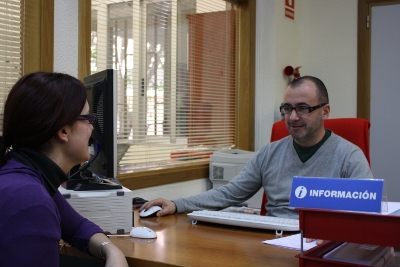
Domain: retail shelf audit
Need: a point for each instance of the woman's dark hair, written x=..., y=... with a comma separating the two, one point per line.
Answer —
x=37, y=107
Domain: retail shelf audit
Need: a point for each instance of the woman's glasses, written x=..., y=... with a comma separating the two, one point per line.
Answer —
x=91, y=118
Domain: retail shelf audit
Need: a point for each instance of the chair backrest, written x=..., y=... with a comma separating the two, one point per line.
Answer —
x=355, y=130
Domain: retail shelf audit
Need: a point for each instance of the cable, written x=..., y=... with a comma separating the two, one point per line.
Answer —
x=87, y=163
x=85, y=166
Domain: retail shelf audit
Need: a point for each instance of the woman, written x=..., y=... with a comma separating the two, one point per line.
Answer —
x=46, y=128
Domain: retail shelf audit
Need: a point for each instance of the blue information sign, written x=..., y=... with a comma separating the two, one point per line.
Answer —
x=337, y=193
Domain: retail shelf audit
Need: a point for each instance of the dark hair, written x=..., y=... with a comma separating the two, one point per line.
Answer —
x=322, y=92
x=37, y=107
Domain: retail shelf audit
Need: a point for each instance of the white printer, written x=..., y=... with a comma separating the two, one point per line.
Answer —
x=109, y=209
x=226, y=164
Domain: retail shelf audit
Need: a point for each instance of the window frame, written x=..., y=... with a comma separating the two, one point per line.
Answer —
x=245, y=87
x=38, y=36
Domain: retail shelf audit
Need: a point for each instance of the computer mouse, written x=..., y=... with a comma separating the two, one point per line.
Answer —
x=142, y=232
x=151, y=212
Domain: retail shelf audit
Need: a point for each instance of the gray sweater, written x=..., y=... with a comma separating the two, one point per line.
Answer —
x=273, y=168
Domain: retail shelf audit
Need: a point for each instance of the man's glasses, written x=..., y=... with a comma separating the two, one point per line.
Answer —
x=302, y=109
x=91, y=118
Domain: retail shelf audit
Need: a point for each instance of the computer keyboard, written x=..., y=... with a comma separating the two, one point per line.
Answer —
x=245, y=220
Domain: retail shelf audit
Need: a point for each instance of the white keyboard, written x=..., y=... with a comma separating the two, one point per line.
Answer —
x=245, y=220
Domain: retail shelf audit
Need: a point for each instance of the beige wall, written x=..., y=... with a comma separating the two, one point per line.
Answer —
x=322, y=39
x=328, y=49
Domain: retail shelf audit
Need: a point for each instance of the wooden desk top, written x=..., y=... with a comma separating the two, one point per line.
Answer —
x=179, y=243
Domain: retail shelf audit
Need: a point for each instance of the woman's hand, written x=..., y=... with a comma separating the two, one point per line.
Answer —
x=112, y=254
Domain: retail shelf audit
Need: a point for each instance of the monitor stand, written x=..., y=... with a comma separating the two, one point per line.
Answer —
x=88, y=181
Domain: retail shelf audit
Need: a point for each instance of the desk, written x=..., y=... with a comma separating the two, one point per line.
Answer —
x=179, y=243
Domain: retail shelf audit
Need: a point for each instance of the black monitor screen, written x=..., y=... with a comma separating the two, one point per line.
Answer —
x=101, y=96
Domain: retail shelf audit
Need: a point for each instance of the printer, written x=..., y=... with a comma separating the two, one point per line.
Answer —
x=110, y=209
x=226, y=164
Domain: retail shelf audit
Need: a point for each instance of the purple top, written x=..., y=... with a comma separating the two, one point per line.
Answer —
x=32, y=222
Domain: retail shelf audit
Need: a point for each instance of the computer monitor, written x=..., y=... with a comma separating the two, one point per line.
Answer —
x=102, y=99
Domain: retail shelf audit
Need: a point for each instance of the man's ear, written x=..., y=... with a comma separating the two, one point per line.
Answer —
x=62, y=134
x=326, y=111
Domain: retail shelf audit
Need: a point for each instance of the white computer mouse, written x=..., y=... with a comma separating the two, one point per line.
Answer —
x=151, y=212
x=142, y=232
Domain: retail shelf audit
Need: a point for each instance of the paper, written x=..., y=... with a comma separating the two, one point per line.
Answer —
x=395, y=213
x=391, y=207
x=291, y=242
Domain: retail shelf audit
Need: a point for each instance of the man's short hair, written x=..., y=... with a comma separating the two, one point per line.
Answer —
x=322, y=92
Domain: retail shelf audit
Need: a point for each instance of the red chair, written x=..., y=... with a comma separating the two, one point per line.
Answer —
x=355, y=130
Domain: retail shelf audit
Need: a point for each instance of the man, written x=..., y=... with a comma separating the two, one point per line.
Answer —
x=310, y=150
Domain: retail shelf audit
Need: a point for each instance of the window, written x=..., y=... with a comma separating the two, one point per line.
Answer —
x=10, y=47
x=26, y=45
x=177, y=83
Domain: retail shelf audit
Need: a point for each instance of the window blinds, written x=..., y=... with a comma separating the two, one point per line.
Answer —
x=10, y=48
x=175, y=63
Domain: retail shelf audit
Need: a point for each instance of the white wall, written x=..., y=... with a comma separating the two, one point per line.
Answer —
x=384, y=133
x=277, y=45
x=322, y=39
x=66, y=37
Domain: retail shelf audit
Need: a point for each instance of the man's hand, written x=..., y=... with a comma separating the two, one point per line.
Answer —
x=168, y=207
